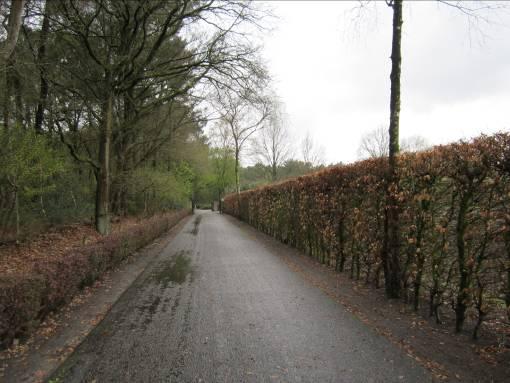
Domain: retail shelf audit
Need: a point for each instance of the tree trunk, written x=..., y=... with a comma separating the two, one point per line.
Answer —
x=340, y=255
x=464, y=270
x=16, y=203
x=420, y=261
x=238, y=187
x=236, y=169
x=7, y=94
x=123, y=159
x=396, y=63
x=103, y=179
x=391, y=249
x=507, y=285
x=18, y=99
x=41, y=57
x=15, y=21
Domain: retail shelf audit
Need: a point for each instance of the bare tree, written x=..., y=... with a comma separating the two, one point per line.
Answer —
x=244, y=115
x=414, y=143
x=312, y=154
x=222, y=158
x=273, y=145
x=374, y=144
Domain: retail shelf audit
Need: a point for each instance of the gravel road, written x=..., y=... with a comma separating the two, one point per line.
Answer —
x=218, y=306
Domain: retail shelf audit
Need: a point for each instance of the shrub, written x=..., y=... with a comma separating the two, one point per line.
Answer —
x=26, y=298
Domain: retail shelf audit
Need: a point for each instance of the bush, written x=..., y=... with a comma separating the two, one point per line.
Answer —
x=39, y=185
x=26, y=298
x=454, y=217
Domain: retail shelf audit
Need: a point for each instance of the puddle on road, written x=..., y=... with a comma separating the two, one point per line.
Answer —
x=197, y=221
x=153, y=307
x=174, y=270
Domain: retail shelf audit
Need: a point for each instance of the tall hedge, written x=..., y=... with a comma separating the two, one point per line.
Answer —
x=453, y=205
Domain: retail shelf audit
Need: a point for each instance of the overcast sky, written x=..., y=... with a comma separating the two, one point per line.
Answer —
x=331, y=69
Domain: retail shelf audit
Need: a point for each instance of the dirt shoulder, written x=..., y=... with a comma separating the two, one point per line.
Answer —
x=450, y=357
x=64, y=330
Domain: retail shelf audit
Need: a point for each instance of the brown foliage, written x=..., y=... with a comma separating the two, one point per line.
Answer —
x=454, y=217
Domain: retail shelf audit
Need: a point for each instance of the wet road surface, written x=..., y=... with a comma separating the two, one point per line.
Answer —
x=218, y=306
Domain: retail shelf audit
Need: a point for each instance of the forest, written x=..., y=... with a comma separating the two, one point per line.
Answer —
x=105, y=105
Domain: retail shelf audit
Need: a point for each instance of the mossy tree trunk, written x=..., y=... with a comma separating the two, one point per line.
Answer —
x=391, y=248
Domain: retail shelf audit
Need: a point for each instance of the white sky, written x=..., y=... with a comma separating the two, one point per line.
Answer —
x=331, y=69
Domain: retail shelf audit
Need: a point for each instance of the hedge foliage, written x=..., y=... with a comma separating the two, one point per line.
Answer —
x=454, y=218
x=26, y=298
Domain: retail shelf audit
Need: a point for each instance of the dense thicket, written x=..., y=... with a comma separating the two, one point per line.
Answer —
x=454, y=223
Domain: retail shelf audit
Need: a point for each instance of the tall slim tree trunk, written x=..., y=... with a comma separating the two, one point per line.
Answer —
x=6, y=101
x=465, y=271
x=6, y=53
x=41, y=57
x=391, y=251
x=238, y=187
x=507, y=284
x=274, y=163
x=18, y=99
x=6, y=50
x=13, y=28
x=124, y=161
x=236, y=170
x=16, y=202
x=103, y=179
